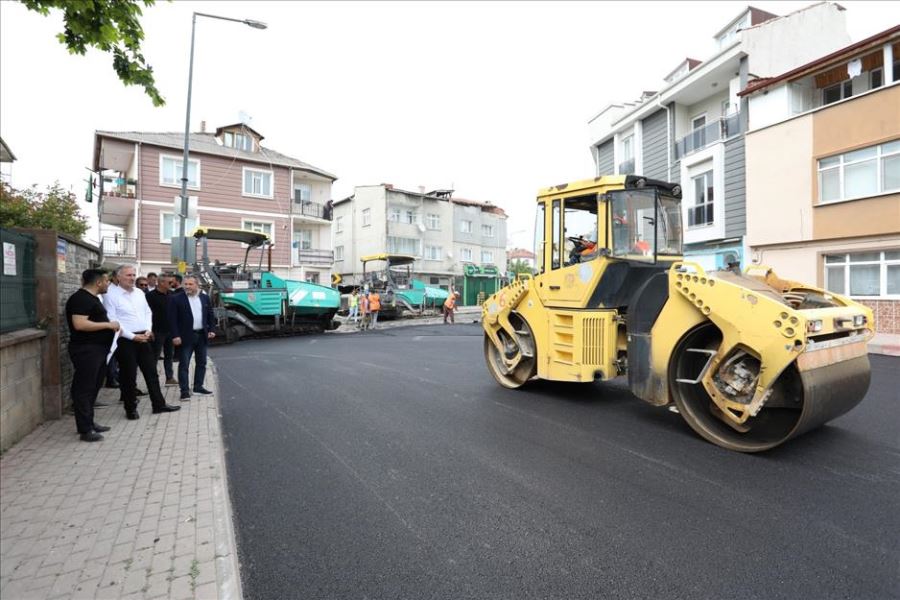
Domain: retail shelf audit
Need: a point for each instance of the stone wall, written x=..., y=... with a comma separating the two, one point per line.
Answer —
x=887, y=315
x=21, y=384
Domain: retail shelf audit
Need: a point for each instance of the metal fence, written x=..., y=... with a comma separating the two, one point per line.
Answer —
x=18, y=302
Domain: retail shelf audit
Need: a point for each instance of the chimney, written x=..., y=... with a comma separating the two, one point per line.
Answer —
x=202, y=126
x=421, y=189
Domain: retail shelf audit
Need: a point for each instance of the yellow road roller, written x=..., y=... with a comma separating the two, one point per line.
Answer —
x=750, y=360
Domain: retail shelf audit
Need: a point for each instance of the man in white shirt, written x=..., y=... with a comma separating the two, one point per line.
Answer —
x=128, y=305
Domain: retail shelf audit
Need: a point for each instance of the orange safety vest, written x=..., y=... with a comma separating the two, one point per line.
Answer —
x=450, y=302
x=374, y=302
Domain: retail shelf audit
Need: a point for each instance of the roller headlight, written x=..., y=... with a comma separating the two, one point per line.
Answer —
x=859, y=320
x=814, y=326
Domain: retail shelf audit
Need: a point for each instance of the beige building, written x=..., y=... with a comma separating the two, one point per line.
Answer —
x=823, y=174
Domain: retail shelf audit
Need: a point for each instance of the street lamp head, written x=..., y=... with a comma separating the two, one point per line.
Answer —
x=255, y=24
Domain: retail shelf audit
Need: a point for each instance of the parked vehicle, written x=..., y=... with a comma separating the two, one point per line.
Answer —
x=391, y=276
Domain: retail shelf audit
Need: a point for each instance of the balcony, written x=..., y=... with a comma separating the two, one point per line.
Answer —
x=119, y=247
x=314, y=257
x=117, y=187
x=311, y=209
x=117, y=204
x=700, y=138
x=626, y=167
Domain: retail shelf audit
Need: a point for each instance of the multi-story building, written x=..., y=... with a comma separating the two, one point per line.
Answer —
x=691, y=132
x=823, y=174
x=233, y=181
x=445, y=234
x=6, y=159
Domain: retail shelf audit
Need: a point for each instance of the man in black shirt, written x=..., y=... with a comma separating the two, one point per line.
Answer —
x=90, y=338
x=157, y=299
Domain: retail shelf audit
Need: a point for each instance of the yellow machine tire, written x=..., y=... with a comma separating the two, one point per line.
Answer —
x=527, y=367
x=799, y=401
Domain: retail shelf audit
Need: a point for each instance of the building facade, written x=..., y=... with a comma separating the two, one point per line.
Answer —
x=445, y=234
x=692, y=131
x=825, y=206
x=233, y=181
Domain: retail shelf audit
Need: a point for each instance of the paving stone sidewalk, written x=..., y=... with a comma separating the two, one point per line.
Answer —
x=142, y=514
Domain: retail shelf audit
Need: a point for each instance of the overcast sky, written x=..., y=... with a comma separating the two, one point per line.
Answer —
x=491, y=99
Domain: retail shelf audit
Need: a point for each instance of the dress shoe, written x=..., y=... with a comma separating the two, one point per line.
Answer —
x=100, y=404
x=171, y=381
x=132, y=416
x=138, y=392
x=202, y=391
x=90, y=436
x=112, y=384
x=185, y=395
x=100, y=428
x=166, y=408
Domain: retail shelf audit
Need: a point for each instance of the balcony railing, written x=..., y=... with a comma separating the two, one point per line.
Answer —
x=626, y=167
x=315, y=257
x=700, y=138
x=119, y=187
x=120, y=247
x=311, y=209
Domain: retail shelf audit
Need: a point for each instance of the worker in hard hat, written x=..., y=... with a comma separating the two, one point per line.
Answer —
x=450, y=306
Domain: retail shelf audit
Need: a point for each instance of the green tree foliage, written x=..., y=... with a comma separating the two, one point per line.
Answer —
x=54, y=209
x=519, y=266
x=112, y=26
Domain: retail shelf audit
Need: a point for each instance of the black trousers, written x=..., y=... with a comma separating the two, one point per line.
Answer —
x=162, y=342
x=89, y=362
x=134, y=355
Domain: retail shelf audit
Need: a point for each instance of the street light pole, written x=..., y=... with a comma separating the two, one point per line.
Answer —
x=187, y=124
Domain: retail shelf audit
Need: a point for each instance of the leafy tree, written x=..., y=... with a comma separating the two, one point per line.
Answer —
x=519, y=266
x=54, y=209
x=112, y=26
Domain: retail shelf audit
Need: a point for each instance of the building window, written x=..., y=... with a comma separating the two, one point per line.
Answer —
x=487, y=231
x=869, y=274
x=366, y=217
x=305, y=239
x=401, y=245
x=433, y=222
x=876, y=78
x=837, y=92
x=698, y=131
x=410, y=217
x=487, y=257
x=465, y=226
x=861, y=173
x=433, y=252
x=170, y=168
x=701, y=213
x=394, y=215
x=338, y=253
x=257, y=183
x=266, y=227
x=240, y=141
x=465, y=254
x=312, y=277
x=302, y=193
x=169, y=224
x=339, y=225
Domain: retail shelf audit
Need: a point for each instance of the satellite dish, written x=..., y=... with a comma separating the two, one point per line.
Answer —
x=422, y=227
x=449, y=254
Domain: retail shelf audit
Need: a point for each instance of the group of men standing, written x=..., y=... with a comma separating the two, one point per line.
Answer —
x=134, y=325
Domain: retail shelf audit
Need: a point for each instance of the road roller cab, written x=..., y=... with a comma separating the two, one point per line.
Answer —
x=749, y=359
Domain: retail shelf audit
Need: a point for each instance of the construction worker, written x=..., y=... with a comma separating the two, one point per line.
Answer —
x=450, y=306
x=354, y=306
x=363, y=310
x=374, y=307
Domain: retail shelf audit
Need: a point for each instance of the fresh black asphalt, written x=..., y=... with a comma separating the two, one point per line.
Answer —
x=389, y=464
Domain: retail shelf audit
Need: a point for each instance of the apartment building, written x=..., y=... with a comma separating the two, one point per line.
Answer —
x=692, y=131
x=823, y=173
x=445, y=234
x=233, y=181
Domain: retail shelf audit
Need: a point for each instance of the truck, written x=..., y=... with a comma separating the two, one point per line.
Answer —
x=748, y=359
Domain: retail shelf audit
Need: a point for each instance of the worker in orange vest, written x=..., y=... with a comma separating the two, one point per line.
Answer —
x=374, y=307
x=363, y=310
x=450, y=306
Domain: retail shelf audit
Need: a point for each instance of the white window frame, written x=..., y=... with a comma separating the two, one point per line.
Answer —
x=880, y=155
x=393, y=247
x=300, y=239
x=179, y=169
x=490, y=257
x=302, y=186
x=465, y=254
x=434, y=252
x=465, y=226
x=627, y=142
x=262, y=222
x=882, y=261
x=268, y=172
x=366, y=217
x=394, y=214
x=487, y=230
x=410, y=217
x=880, y=71
x=162, y=219
x=433, y=222
x=843, y=87
x=338, y=253
x=709, y=179
x=339, y=224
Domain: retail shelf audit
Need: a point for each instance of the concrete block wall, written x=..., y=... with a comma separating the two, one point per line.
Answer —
x=21, y=385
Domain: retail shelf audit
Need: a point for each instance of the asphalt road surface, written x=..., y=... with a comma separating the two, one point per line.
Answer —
x=390, y=465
